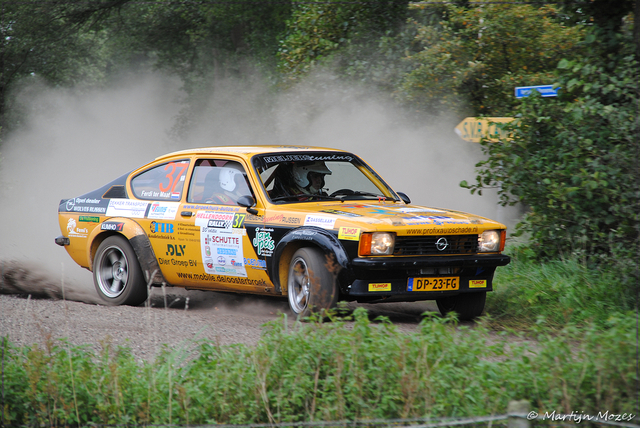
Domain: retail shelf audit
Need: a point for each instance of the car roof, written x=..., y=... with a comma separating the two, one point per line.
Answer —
x=247, y=151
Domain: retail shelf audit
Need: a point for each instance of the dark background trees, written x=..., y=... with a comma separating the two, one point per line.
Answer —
x=451, y=56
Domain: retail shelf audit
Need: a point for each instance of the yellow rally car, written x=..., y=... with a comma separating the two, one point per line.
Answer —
x=317, y=225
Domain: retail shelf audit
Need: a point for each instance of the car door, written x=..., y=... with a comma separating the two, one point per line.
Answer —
x=212, y=228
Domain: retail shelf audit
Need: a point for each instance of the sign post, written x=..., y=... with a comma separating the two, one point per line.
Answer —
x=473, y=129
x=545, y=91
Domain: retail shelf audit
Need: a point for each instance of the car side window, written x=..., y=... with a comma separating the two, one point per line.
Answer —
x=162, y=182
x=218, y=181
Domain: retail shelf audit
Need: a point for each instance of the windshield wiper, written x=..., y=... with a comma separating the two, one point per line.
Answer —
x=304, y=196
x=349, y=194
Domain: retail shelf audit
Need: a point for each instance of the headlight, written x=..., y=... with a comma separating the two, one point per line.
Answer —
x=491, y=241
x=377, y=244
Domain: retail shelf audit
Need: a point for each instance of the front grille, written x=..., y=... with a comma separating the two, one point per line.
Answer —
x=428, y=245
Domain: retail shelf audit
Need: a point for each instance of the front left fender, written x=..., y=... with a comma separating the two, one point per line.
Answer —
x=337, y=259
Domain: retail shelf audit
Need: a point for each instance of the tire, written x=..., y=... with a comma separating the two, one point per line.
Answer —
x=310, y=286
x=117, y=274
x=468, y=305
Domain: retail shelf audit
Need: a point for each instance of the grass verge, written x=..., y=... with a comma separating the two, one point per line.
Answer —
x=321, y=371
x=557, y=292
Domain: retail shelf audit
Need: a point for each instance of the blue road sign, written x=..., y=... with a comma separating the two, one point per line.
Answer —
x=545, y=91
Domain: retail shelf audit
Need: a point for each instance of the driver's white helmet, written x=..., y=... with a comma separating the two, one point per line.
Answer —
x=301, y=172
x=228, y=178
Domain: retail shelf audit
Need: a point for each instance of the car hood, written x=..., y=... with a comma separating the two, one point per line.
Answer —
x=371, y=215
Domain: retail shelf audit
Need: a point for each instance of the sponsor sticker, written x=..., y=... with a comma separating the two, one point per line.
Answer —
x=163, y=210
x=477, y=283
x=380, y=286
x=444, y=231
x=175, y=250
x=319, y=221
x=349, y=233
x=256, y=263
x=73, y=230
x=127, y=208
x=219, y=242
x=159, y=227
x=306, y=157
x=264, y=242
x=89, y=219
x=227, y=251
x=112, y=225
x=223, y=219
x=86, y=205
x=339, y=212
x=419, y=210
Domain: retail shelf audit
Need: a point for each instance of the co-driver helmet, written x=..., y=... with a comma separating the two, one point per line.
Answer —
x=228, y=177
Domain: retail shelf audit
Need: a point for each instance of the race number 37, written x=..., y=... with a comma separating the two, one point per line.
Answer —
x=176, y=174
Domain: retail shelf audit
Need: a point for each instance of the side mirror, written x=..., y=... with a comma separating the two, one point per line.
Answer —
x=404, y=197
x=248, y=202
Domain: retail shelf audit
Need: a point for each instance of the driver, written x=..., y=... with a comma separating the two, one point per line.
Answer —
x=309, y=178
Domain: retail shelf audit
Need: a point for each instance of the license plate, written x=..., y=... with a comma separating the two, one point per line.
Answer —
x=433, y=284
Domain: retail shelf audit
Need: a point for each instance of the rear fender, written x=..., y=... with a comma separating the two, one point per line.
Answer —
x=138, y=240
x=336, y=256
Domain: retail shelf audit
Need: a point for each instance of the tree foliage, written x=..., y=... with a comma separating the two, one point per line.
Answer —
x=318, y=33
x=574, y=160
x=471, y=63
x=63, y=43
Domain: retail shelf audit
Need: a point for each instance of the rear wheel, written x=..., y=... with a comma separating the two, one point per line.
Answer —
x=117, y=274
x=310, y=286
x=468, y=306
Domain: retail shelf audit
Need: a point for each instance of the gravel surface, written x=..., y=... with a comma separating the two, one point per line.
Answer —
x=33, y=309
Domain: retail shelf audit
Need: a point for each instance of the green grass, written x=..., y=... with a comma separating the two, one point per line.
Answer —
x=328, y=371
x=558, y=292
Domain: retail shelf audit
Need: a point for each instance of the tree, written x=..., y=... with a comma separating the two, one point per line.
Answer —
x=573, y=161
x=60, y=42
x=321, y=33
x=474, y=59
x=607, y=19
x=83, y=43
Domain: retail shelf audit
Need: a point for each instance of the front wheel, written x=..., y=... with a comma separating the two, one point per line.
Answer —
x=117, y=274
x=310, y=286
x=468, y=306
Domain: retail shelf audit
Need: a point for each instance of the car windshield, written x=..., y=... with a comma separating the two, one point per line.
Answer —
x=317, y=176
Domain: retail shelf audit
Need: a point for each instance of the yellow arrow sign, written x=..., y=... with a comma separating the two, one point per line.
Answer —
x=473, y=129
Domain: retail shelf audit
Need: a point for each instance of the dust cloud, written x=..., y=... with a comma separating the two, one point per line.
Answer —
x=70, y=144
x=73, y=142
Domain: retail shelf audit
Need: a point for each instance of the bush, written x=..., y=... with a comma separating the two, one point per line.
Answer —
x=574, y=162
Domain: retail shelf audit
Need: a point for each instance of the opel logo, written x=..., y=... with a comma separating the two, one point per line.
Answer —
x=442, y=244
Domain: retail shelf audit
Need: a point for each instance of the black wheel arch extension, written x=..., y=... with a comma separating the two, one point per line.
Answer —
x=310, y=236
x=147, y=259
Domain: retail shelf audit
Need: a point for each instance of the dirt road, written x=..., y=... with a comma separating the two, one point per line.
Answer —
x=34, y=309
